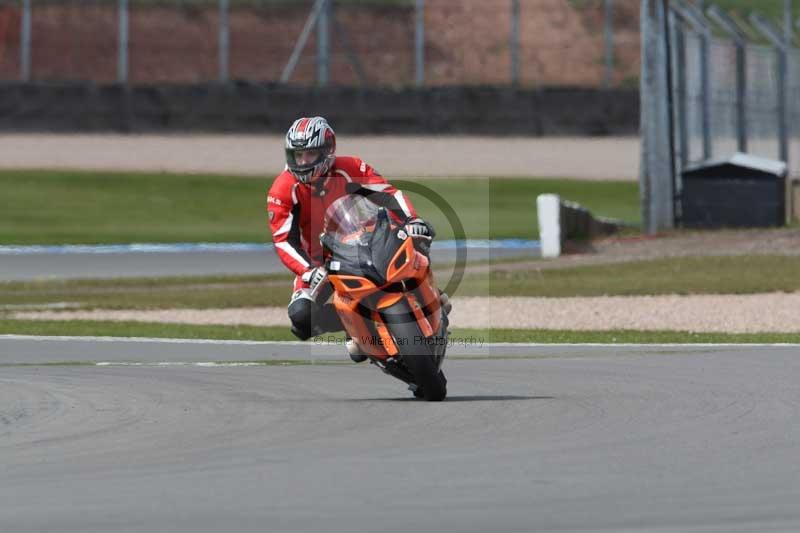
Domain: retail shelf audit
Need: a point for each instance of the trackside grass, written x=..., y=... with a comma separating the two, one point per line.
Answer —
x=202, y=292
x=506, y=207
x=635, y=337
x=694, y=275
x=743, y=274
x=63, y=207
x=77, y=207
x=750, y=274
x=86, y=328
x=772, y=9
x=472, y=336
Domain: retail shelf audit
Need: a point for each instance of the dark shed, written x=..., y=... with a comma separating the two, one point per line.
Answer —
x=742, y=191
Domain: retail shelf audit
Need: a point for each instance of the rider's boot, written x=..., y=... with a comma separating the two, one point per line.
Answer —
x=355, y=351
x=445, y=301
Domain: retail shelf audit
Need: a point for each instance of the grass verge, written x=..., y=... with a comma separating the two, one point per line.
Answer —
x=195, y=292
x=683, y=275
x=744, y=274
x=633, y=337
x=772, y=9
x=472, y=337
x=86, y=328
x=72, y=207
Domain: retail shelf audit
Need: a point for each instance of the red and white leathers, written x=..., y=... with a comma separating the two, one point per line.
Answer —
x=296, y=210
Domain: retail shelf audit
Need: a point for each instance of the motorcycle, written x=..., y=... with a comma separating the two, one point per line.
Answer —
x=384, y=293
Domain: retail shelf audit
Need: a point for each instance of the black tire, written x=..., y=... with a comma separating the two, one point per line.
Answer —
x=419, y=393
x=417, y=356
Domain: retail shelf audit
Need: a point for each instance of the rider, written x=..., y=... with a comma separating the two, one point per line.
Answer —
x=313, y=179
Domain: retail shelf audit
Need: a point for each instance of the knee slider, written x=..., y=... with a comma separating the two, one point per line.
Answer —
x=301, y=309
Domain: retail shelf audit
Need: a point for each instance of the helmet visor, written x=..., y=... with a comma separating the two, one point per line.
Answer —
x=305, y=160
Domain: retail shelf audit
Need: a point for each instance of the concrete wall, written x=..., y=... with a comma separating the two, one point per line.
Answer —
x=245, y=107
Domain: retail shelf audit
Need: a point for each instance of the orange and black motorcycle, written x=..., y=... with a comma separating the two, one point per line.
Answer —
x=385, y=294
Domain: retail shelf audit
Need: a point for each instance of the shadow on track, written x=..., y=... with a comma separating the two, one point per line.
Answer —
x=495, y=398
x=473, y=398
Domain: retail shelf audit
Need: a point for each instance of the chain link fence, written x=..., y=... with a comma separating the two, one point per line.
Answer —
x=736, y=82
x=715, y=82
x=399, y=43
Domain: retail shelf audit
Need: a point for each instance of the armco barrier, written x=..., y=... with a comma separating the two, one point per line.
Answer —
x=247, y=107
x=562, y=220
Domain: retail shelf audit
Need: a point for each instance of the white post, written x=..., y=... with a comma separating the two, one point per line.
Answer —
x=548, y=207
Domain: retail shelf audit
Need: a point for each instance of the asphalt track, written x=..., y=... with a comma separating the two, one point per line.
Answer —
x=575, y=438
x=31, y=266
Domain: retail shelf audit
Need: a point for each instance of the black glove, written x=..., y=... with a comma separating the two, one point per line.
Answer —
x=421, y=233
x=416, y=227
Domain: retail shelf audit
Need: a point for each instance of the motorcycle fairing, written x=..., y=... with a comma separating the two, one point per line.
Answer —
x=359, y=300
x=370, y=259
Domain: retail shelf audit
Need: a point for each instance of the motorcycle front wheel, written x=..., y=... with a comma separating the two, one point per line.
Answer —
x=416, y=351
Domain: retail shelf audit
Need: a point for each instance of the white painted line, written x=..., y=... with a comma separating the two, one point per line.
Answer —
x=54, y=305
x=149, y=340
x=311, y=344
x=642, y=345
x=177, y=363
x=135, y=248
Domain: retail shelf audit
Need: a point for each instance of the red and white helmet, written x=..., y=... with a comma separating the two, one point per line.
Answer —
x=310, y=148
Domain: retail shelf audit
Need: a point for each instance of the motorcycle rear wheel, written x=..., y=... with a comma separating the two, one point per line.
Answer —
x=417, y=355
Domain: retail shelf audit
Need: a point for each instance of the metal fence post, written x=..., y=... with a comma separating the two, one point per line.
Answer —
x=739, y=37
x=419, y=42
x=514, y=44
x=783, y=102
x=25, y=42
x=302, y=39
x=608, y=76
x=697, y=19
x=224, y=41
x=122, y=44
x=675, y=187
x=656, y=177
x=781, y=49
x=681, y=91
x=741, y=96
x=323, y=44
x=705, y=87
